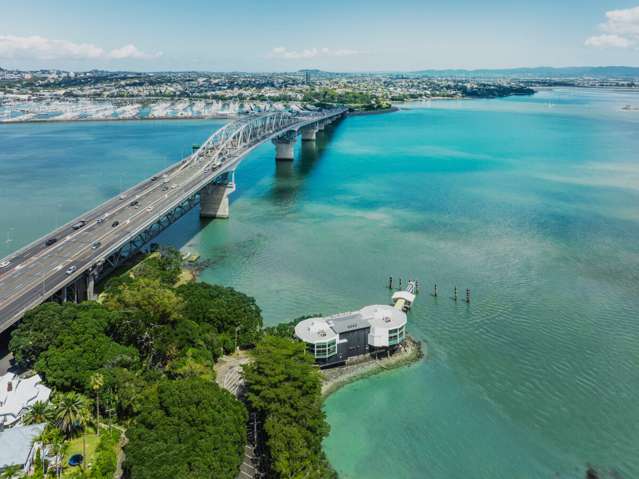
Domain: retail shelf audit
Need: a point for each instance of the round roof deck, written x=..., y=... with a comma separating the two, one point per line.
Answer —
x=314, y=330
x=384, y=316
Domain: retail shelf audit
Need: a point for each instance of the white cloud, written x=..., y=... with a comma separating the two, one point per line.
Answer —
x=620, y=30
x=131, y=51
x=40, y=48
x=608, y=40
x=283, y=52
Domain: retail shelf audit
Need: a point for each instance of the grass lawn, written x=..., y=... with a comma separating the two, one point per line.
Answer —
x=75, y=447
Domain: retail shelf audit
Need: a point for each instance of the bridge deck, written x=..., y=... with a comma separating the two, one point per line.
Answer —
x=38, y=271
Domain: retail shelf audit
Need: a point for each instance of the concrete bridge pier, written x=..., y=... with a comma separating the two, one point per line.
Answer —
x=91, y=278
x=284, y=146
x=214, y=198
x=309, y=133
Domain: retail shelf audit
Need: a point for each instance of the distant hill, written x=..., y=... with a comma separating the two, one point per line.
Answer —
x=538, y=72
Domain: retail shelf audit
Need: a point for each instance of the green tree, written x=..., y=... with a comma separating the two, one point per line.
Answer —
x=292, y=457
x=223, y=308
x=39, y=412
x=164, y=266
x=97, y=382
x=284, y=388
x=122, y=391
x=148, y=311
x=187, y=428
x=42, y=327
x=80, y=351
x=71, y=412
x=105, y=460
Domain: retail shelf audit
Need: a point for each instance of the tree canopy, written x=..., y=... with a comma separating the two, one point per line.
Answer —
x=80, y=350
x=284, y=387
x=42, y=327
x=187, y=428
x=223, y=308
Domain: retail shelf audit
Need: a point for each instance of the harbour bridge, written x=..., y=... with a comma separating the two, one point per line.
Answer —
x=66, y=263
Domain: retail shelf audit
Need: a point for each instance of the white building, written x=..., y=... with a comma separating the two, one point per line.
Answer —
x=17, y=395
x=334, y=339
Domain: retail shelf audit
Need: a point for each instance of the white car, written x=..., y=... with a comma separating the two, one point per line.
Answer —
x=173, y=186
x=4, y=264
x=70, y=269
x=150, y=208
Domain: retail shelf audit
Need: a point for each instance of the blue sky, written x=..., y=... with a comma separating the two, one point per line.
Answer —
x=340, y=35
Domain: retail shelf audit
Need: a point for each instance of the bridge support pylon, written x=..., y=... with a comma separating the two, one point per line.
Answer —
x=214, y=197
x=309, y=133
x=284, y=146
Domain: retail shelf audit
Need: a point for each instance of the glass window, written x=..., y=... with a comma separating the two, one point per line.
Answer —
x=325, y=350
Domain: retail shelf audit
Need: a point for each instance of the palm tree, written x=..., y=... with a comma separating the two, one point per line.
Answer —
x=97, y=381
x=38, y=413
x=70, y=412
x=83, y=422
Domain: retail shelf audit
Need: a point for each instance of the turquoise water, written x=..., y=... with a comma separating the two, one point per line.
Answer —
x=52, y=172
x=532, y=203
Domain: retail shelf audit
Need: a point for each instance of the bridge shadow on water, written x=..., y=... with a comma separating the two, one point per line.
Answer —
x=290, y=176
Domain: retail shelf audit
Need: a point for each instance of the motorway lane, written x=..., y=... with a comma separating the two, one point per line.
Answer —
x=23, y=285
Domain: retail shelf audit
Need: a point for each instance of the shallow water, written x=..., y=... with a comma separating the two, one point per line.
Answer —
x=532, y=203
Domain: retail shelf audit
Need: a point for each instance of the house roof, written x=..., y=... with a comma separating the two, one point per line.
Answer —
x=16, y=394
x=15, y=444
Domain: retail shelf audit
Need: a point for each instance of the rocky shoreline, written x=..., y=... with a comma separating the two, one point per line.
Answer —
x=335, y=378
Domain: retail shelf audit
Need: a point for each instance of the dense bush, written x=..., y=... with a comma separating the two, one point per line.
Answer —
x=187, y=428
x=82, y=349
x=105, y=461
x=284, y=388
x=44, y=326
x=223, y=308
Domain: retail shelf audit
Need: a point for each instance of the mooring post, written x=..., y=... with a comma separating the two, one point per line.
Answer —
x=435, y=290
x=416, y=287
x=467, y=295
x=455, y=294
x=390, y=282
x=400, y=283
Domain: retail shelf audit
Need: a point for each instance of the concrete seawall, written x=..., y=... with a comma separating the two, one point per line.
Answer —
x=333, y=379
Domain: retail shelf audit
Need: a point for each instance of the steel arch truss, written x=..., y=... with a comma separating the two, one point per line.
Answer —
x=136, y=243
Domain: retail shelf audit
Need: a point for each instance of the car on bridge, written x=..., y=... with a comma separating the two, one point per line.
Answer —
x=114, y=224
x=96, y=245
x=4, y=264
x=71, y=270
x=79, y=225
x=50, y=241
x=100, y=220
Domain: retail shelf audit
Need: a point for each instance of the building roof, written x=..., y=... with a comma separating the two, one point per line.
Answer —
x=17, y=394
x=15, y=444
x=314, y=330
x=340, y=323
x=318, y=330
x=384, y=316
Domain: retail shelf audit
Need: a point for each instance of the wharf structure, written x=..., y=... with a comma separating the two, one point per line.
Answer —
x=372, y=330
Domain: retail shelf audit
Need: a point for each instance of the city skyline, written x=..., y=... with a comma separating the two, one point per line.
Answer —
x=348, y=36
